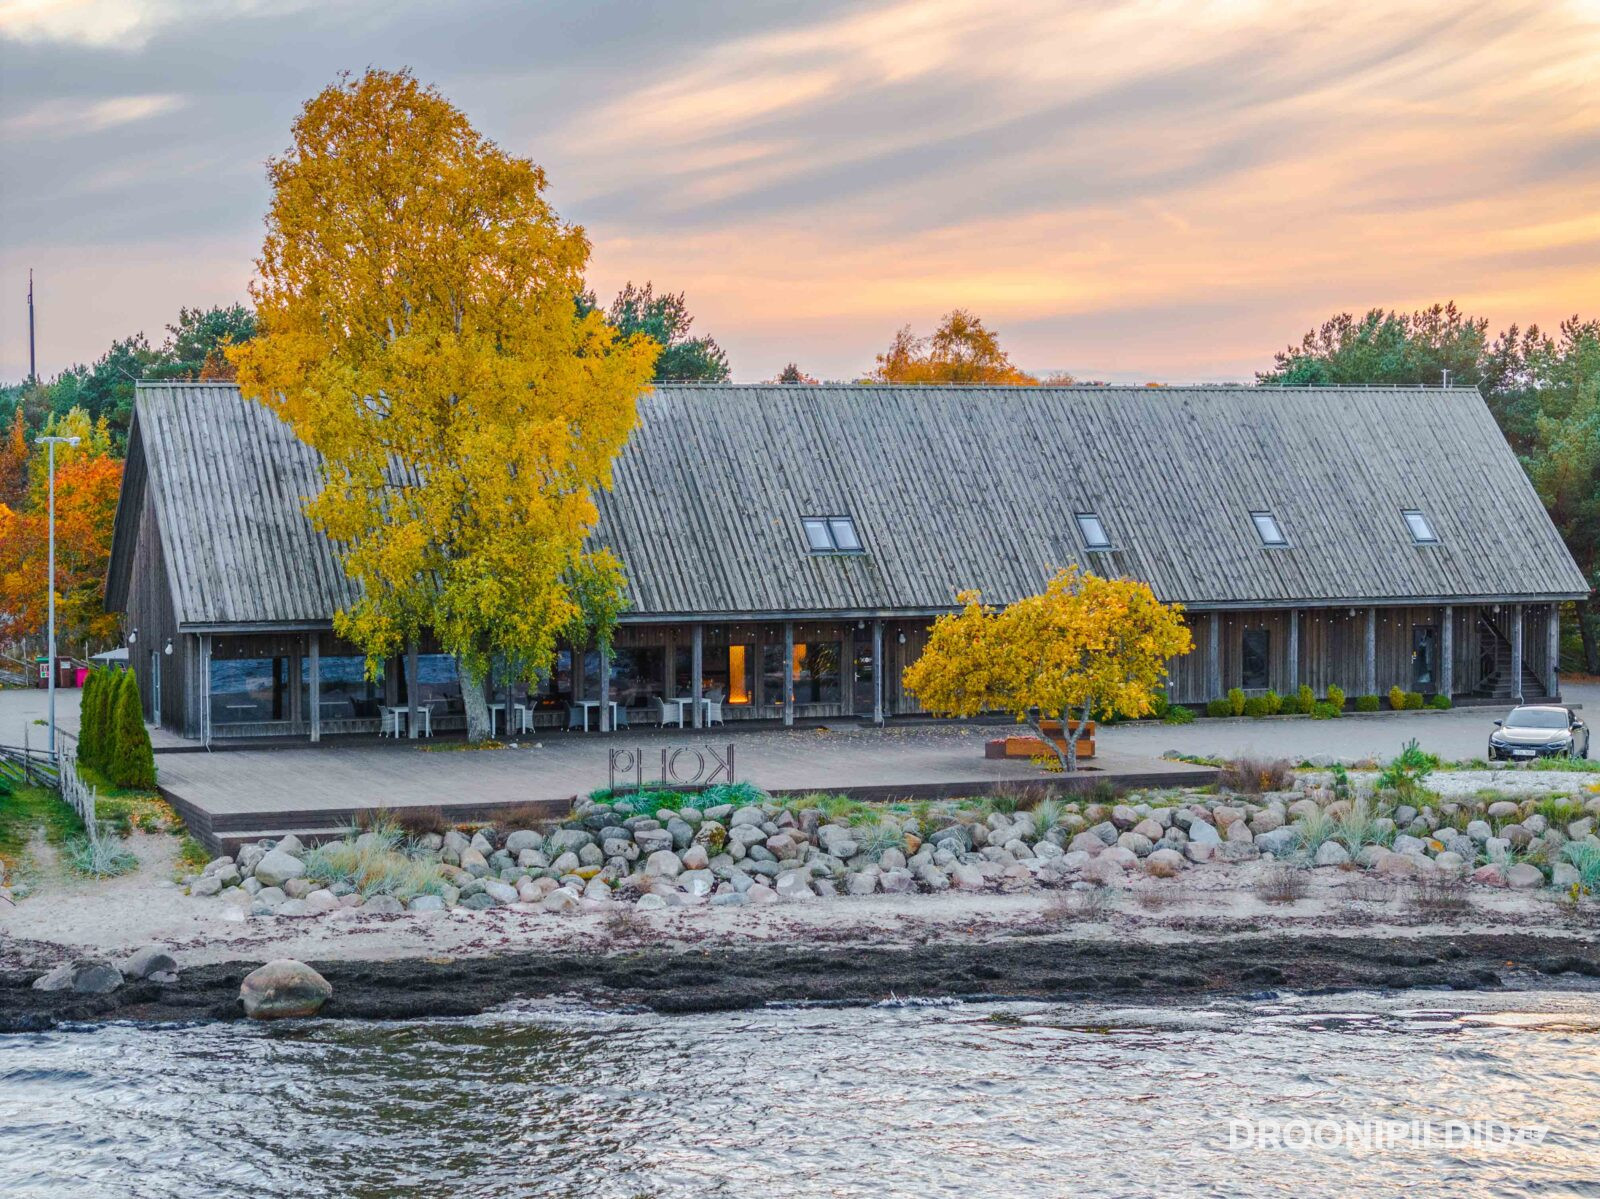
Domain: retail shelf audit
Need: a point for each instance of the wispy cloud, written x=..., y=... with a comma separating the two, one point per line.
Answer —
x=1150, y=189
x=55, y=118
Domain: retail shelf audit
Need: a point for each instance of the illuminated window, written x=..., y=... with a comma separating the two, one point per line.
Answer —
x=831, y=535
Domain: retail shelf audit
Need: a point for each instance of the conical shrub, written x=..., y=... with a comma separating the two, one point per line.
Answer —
x=86, y=725
x=132, y=764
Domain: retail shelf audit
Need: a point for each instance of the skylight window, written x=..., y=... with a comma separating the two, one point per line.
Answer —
x=1267, y=526
x=1093, y=531
x=831, y=535
x=1421, y=528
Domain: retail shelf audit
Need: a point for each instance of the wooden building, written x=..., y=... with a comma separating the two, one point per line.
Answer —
x=788, y=546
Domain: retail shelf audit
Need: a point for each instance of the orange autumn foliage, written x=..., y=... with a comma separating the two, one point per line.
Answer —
x=86, y=505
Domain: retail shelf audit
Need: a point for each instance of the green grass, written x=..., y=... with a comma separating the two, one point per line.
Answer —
x=192, y=856
x=1560, y=812
x=28, y=808
x=1313, y=831
x=1586, y=858
x=1359, y=827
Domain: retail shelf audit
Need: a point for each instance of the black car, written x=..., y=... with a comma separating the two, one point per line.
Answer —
x=1539, y=731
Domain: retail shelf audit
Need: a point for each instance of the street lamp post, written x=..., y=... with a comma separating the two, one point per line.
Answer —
x=52, y=442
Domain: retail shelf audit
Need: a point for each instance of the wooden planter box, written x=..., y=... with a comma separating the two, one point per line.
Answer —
x=1033, y=747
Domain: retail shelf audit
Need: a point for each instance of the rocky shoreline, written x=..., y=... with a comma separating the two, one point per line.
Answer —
x=675, y=980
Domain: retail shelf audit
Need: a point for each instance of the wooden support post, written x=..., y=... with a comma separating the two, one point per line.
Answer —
x=877, y=673
x=1447, y=652
x=1294, y=650
x=605, y=691
x=1369, y=674
x=1552, y=667
x=1214, y=656
x=314, y=652
x=411, y=690
x=1516, y=651
x=788, y=673
x=697, y=652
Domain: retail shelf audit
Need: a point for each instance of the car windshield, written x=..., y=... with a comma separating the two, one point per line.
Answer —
x=1536, y=718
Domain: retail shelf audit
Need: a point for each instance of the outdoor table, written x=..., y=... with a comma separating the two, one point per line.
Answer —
x=397, y=715
x=586, y=704
x=494, y=716
x=524, y=715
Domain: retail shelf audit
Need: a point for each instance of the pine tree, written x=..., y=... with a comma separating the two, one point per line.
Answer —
x=132, y=762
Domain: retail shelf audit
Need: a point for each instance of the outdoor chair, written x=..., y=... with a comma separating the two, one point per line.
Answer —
x=713, y=712
x=715, y=695
x=666, y=713
x=574, y=716
x=622, y=717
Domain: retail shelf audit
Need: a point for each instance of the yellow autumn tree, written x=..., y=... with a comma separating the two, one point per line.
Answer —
x=1084, y=645
x=418, y=326
x=961, y=350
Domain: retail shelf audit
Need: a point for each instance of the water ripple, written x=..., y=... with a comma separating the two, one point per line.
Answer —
x=1015, y=1099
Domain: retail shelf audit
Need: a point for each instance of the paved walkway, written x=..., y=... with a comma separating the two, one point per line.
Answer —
x=403, y=775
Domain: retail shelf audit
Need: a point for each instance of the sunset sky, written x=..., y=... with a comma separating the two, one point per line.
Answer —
x=1163, y=191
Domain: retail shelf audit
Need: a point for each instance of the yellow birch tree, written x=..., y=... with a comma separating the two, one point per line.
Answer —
x=1084, y=645
x=418, y=327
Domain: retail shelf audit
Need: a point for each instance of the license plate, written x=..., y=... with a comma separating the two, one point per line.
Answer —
x=1522, y=753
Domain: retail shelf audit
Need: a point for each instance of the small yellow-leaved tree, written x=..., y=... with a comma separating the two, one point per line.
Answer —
x=1084, y=645
x=418, y=326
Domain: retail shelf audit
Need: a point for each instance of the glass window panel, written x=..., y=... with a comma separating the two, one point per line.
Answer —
x=1257, y=644
x=1267, y=526
x=817, y=672
x=861, y=673
x=818, y=539
x=247, y=690
x=1094, y=533
x=346, y=693
x=1421, y=529
x=844, y=533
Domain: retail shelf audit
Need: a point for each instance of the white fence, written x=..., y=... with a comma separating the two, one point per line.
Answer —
x=76, y=792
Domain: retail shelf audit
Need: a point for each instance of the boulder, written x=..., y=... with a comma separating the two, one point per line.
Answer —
x=1524, y=877
x=968, y=878
x=1490, y=876
x=422, y=903
x=697, y=882
x=695, y=858
x=382, y=905
x=1504, y=809
x=278, y=867
x=1279, y=842
x=1164, y=863
x=650, y=903
x=1135, y=843
x=562, y=899
x=291, y=845
x=761, y=893
x=293, y=907
x=663, y=863
x=1201, y=833
x=150, y=961
x=1331, y=853
x=897, y=882
x=474, y=862
x=522, y=839
x=1150, y=829
x=283, y=989
x=503, y=894
x=205, y=885
x=863, y=882
x=794, y=884
x=82, y=976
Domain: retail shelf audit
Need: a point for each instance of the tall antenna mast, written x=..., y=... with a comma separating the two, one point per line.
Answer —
x=33, y=371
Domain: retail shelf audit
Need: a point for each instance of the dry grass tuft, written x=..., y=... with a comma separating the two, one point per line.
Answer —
x=1283, y=884
x=1439, y=895
x=1252, y=776
x=1070, y=907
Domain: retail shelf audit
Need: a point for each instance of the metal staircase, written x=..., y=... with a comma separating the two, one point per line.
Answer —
x=1495, y=679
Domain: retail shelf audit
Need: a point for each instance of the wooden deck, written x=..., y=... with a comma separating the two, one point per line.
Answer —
x=238, y=794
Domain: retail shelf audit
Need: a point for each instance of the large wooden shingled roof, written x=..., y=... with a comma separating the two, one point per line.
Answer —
x=949, y=488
